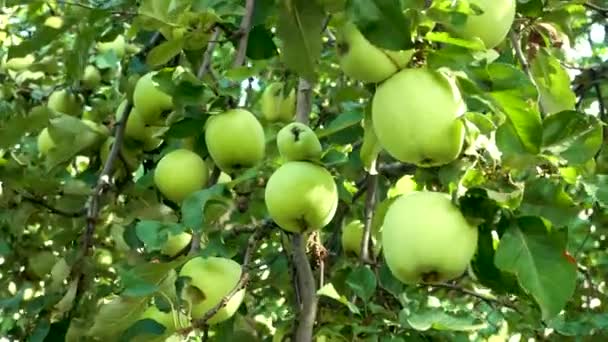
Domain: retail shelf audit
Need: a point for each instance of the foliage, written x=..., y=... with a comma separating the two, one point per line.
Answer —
x=81, y=258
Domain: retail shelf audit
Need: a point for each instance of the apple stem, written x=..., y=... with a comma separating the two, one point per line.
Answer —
x=370, y=204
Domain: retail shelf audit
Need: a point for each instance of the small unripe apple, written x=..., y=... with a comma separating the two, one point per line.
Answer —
x=20, y=63
x=416, y=117
x=426, y=239
x=117, y=45
x=62, y=101
x=152, y=103
x=362, y=61
x=212, y=279
x=45, y=142
x=276, y=105
x=41, y=263
x=493, y=25
x=235, y=140
x=352, y=236
x=176, y=243
x=301, y=196
x=297, y=141
x=103, y=257
x=91, y=78
x=179, y=174
x=136, y=126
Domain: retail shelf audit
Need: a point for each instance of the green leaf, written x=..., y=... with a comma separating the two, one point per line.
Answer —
x=260, y=44
x=328, y=290
x=299, y=28
x=145, y=328
x=342, y=122
x=439, y=319
x=445, y=37
x=193, y=207
x=574, y=136
x=547, y=198
x=597, y=188
x=116, y=316
x=535, y=255
x=12, y=131
x=553, y=83
x=371, y=146
x=164, y=52
x=382, y=22
x=154, y=234
x=362, y=281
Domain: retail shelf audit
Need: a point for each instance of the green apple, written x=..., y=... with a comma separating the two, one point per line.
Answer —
x=362, y=61
x=136, y=126
x=176, y=243
x=276, y=105
x=297, y=141
x=91, y=77
x=416, y=116
x=179, y=174
x=172, y=321
x=212, y=279
x=426, y=239
x=20, y=63
x=62, y=101
x=100, y=129
x=103, y=257
x=151, y=102
x=235, y=140
x=493, y=25
x=45, y=142
x=117, y=45
x=301, y=196
x=41, y=263
x=352, y=235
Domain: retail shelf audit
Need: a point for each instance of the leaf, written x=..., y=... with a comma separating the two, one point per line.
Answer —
x=576, y=137
x=536, y=256
x=382, y=22
x=193, y=207
x=116, y=316
x=149, y=278
x=597, y=188
x=553, y=83
x=260, y=44
x=164, y=52
x=328, y=290
x=299, y=28
x=547, y=198
x=445, y=37
x=154, y=234
x=145, y=328
x=16, y=128
x=42, y=36
x=439, y=319
x=371, y=146
x=362, y=281
x=342, y=122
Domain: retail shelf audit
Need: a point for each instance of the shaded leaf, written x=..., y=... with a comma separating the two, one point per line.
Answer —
x=382, y=22
x=574, y=136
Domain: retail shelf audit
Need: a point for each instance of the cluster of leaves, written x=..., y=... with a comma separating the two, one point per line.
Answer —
x=533, y=174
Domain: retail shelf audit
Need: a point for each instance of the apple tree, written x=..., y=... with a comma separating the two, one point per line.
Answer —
x=303, y=170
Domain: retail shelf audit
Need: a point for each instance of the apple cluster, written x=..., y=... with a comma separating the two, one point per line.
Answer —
x=417, y=118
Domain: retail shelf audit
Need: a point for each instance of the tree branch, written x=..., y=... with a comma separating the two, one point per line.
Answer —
x=487, y=299
x=602, y=11
x=52, y=209
x=367, y=255
x=206, y=64
x=241, y=52
x=304, y=101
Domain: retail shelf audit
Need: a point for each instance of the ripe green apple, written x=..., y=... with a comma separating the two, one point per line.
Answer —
x=426, y=238
x=212, y=279
x=41, y=263
x=235, y=140
x=493, y=25
x=176, y=243
x=416, y=116
x=91, y=77
x=20, y=63
x=297, y=141
x=151, y=103
x=301, y=196
x=117, y=45
x=276, y=105
x=62, y=101
x=136, y=126
x=362, y=61
x=45, y=142
x=352, y=235
x=179, y=174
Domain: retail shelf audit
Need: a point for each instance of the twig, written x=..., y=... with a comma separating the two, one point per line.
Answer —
x=81, y=5
x=304, y=101
x=208, y=54
x=307, y=286
x=52, y=209
x=370, y=204
x=602, y=11
x=489, y=300
x=242, y=283
x=241, y=52
x=519, y=53
x=600, y=97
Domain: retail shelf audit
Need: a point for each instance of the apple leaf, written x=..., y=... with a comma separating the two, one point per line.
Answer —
x=548, y=199
x=553, y=83
x=299, y=28
x=535, y=254
x=164, y=52
x=576, y=137
x=439, y=319
x=362, y=281
x=13, y=130
x=342, y=122
x=597, y=188
x=382, y=22
x=193, y=207
x=260, y=44
x=154, y=234
x=328, y=290
x=147, y=328
x=371, y=146
x=117, y=316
